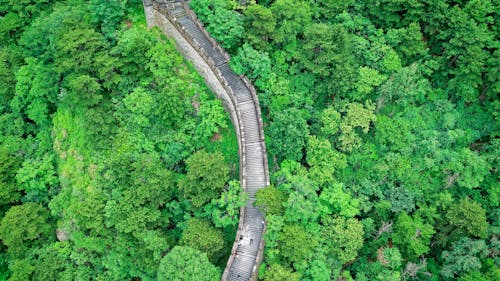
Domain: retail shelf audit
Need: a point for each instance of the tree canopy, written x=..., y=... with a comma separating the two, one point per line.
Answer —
x=108, y=161
x=381, y=124
x=381, y=127
x=185, y=263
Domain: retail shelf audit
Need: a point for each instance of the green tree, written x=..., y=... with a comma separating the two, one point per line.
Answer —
x=368, y=78
x=7, y=78
x=303, y=203
x=17, y=14
x=9, y=164
x=162, y=67
x=394, y=13
x=331, y=8
x=327, y=53
x=330, y=121
x=205, y=8
x=468, y=218
x=176, y=99
x=391, y=258
x=408, y=42
x=464, y=257
x=296, y=245
x=227, y=27
x=478, y=276
x=225, y=210
x=395, y=133
x=342, y=237
x=277, y=272
x=139, y=104
x=185, y=264
x=288, y=135
x=212, y=117
x=292, y=16
x=356, y=117
x=38, y=178
x=123, y=261
x=466, y=46
x=319, y=269
x=202, y=236
x=131, y=49
x=78, y=49
x=412, y=235
x=39, y=38
x=260, y=24
x=323, y=159
x=36, y=92
x=469, y=166
x=21, y=270
x=337, y=201
x=51, y=262
x=206, y=176
x=83, y=89
x=23, y=227
x=135, y=210
x=107, y=14
x=405, y=86
x=252, y=63
x=271, y=200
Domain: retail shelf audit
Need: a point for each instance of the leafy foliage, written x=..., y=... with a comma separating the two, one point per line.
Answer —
x=382, y=115
x=464, y=257
x=205, y=178
x=24, y=226
x=271, y=200
x=381, y=126
x=343, y=238
x=468, y=218
x=225, y=210
x=277, y=272
x=185, y=263
x=200, y=235
x=99, y=120
x=288, y=135
x=412, y=235
x=8, y=188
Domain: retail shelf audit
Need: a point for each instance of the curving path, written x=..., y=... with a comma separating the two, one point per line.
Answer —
x=177, y=21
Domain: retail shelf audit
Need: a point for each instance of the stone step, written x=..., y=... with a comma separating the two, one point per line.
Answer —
x=243, y=262
x=254, y=157
x=256, y=183
x=254, y=162
x=255, y=177
x=200, y=37
x=177, y=12
x=253, y=167
x=254, y=187
x=252, y=211
x=246, y=105
x=236, y=274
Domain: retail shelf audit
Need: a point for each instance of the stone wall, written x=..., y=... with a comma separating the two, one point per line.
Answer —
x=157, y=16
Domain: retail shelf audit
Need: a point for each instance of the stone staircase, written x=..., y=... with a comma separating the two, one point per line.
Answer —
x=248, y=246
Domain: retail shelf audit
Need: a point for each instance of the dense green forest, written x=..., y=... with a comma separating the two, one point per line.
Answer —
x=382, y=124
x=114, y=155
x=382, y=127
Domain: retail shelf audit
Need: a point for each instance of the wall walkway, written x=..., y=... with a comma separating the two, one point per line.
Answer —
x=177, y=21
